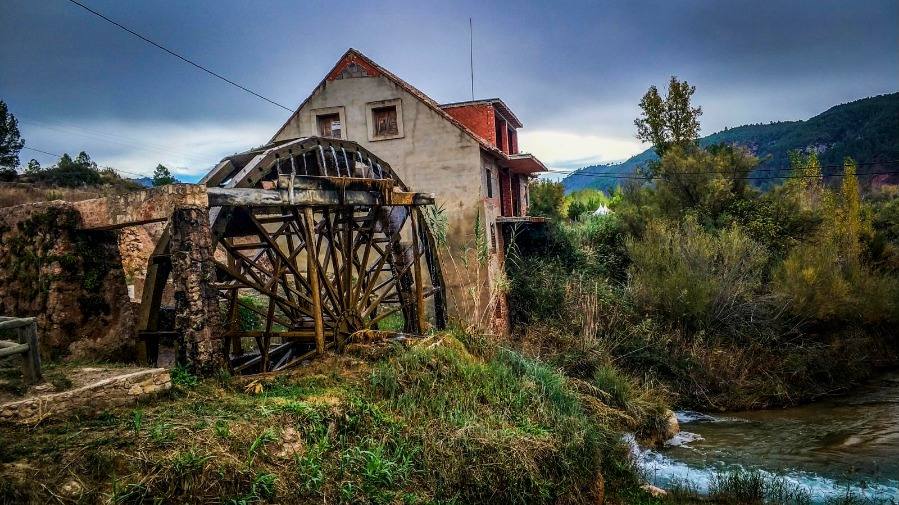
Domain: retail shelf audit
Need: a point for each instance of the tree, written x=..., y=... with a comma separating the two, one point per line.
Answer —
x=546, y=198
x=669, y=121
x=33, y=167
x=10, y=140
x=162, y=176
x=68, y=172
x=85, y=161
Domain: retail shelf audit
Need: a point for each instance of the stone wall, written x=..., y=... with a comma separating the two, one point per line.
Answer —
x=70, y=280
x=102, y=395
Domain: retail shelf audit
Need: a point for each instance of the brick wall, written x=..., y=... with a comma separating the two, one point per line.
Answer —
x=478, y=118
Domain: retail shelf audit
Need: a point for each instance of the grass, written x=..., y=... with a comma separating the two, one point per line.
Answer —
x=755, y=488
x=437, y=422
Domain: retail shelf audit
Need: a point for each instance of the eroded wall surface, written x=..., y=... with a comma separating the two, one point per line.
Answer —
x=70, y=280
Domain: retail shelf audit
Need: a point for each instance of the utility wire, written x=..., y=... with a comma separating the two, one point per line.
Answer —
x=182, y=58
x=748, y=178
x=99, y=166
x=768, y=170
x=42, y=152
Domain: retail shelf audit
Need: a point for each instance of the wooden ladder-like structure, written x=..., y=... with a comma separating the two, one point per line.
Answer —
x=315, y=239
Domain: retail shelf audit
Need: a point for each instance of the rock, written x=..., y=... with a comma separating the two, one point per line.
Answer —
x=291, y=444
x=655, y=492
x=672, y=427
x=71, y=489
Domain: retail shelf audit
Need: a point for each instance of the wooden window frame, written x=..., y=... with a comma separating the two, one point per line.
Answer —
x=327, y=111
x=370, y=108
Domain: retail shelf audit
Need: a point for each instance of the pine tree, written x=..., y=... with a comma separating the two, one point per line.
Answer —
x=10, y=140
x=162, y=176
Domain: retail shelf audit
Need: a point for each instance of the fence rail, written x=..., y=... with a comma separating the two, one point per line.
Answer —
x=26, y=345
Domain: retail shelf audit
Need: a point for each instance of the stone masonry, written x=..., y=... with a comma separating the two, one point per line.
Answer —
x=71, y=280
x=102, y=395
x=197, y=318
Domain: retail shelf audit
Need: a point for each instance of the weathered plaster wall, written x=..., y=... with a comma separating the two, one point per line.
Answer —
x=433, y=156
x=70, y=280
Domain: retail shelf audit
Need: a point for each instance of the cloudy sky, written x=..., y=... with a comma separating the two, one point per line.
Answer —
x=572, y=71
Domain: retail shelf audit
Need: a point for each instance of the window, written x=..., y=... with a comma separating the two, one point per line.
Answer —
x=489, y=184
x=385, y=119
x=329, y=125
x=385, y=123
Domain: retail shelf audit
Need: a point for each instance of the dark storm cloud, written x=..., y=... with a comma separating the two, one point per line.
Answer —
x=573, y=71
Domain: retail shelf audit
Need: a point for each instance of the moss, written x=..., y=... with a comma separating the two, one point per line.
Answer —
x=30, y=258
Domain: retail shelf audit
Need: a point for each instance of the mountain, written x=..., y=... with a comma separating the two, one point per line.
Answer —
x=866, y=129
x=146, y=182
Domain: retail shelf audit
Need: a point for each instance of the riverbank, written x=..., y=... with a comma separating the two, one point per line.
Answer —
x=446, y=420
x=839, y=450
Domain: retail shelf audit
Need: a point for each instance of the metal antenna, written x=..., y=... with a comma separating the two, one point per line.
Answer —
x=471, y=54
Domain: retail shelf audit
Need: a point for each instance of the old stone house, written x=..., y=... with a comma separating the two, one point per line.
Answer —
x=466, y=153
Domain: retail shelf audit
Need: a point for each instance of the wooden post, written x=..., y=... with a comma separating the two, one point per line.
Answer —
x=312, y=272
x=31, y=359
x=416, y=270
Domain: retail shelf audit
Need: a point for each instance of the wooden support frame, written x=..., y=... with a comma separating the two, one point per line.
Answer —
x=26, y=345
x=313, y=259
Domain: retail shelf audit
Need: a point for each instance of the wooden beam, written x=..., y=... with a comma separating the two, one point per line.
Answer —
x=250, y=197
x=312, y=271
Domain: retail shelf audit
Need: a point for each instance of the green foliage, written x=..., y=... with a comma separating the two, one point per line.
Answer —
x=699, y=278
x=10, y=139
x=669, y=121
x=181, y=377
x=706, y=182
x=162, y=176
x=545, y=198
x=249, y=313
x=68, y=172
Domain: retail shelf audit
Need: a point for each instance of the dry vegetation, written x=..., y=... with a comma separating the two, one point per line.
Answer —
x=13, y=193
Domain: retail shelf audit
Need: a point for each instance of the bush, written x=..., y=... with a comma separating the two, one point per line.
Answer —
x=698, y=278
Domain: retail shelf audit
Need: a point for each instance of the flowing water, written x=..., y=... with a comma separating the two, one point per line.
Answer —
x=847, y=443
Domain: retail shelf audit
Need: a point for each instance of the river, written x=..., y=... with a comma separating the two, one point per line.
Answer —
x=828, y=447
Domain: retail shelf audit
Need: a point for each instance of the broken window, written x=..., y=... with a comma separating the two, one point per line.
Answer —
x=329, y=125
x=489, y=183
x=385, y=121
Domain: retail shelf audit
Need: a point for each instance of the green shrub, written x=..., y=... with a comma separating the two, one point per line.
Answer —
x=698, y=278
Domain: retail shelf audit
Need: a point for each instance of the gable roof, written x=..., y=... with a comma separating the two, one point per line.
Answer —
x=354, y=56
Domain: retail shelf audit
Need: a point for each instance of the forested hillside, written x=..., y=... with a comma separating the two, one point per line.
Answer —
x=866, y=129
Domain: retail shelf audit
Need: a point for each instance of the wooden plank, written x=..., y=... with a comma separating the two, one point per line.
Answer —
x=11, y=324
x=237, y=197
x=312, y=271
x=31, y=360
x=419, y=293
x=14, y=349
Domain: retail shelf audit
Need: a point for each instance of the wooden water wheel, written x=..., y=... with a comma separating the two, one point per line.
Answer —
x=314, y=241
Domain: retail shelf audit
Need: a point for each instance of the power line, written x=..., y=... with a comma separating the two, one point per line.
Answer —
x=109, y=138
x=42, y=152
x=182, y=58
x=100, y=166
x=758, y=177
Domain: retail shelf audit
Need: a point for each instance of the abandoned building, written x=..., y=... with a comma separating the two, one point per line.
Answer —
x=466, y=153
